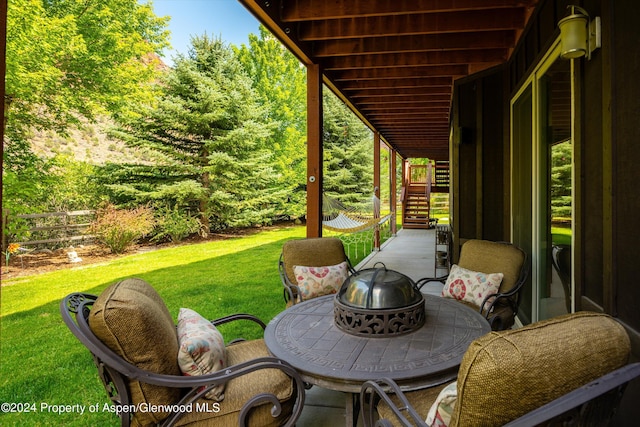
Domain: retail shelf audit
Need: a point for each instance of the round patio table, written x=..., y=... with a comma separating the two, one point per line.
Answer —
x=306, y=336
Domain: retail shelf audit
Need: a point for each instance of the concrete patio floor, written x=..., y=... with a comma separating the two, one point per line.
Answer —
x=411, y=252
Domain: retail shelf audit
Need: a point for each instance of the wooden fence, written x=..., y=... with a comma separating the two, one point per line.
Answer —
x=53, y=228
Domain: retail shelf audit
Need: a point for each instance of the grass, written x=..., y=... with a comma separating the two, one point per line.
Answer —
x=561, y=235
x=42, y=363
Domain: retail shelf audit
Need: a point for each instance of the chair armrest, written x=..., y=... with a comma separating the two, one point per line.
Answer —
x=582, y=403
x=209, y=381
x=376, y=390
x=421, y=282
x=498, y=296
x=291, y=290
x=238, y=316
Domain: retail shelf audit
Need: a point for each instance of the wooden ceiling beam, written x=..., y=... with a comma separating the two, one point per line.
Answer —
x=407, y=116
x=380, y=85
x=398, y=73
x=502, y=39
x=426, y=23
x=418, y=126
x=406, y=139
x=364, y=92
x=397, y=132
x=400, y=101
x=416, y=84
x=408, y=108
x=412, y=131
x=310, y=10
x=446, y=57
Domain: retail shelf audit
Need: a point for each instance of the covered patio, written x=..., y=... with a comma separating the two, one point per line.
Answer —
x=394, y=65
x=493, y=89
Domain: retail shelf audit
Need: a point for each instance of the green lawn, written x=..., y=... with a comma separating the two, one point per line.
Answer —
x=42, y=363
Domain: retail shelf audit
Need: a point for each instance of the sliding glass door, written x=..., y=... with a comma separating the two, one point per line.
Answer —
x=542, y=186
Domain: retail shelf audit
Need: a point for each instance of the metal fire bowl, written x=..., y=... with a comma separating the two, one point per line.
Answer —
x=379, y=322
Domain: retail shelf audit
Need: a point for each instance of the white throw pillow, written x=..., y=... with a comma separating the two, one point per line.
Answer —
x=471, y=286
x=317, y=281
x=440, y=412
x=201, y=349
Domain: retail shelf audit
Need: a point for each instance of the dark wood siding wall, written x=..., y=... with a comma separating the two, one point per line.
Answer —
x=466, y=175
x=620, y=111
x=625, y=118
x=493, y=206
x=608, y=118
x=607, y=159
x=479, y=153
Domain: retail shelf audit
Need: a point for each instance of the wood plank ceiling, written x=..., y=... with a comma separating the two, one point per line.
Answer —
x=394, y=61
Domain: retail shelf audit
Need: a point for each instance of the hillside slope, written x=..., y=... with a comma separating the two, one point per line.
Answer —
x=89, y=143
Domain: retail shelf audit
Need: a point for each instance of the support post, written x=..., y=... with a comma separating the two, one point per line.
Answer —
x=393, y=202
x=405, y=185
x=3, y=111
x=314, y=151
x=376, y=187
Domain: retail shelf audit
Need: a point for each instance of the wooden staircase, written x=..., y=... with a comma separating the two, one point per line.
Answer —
x=416, y=193
x=416, y=212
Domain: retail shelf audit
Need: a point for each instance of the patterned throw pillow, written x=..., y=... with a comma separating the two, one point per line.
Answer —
x=470, y=286
x=440, y=413
x=201, y=348
x=317, y=281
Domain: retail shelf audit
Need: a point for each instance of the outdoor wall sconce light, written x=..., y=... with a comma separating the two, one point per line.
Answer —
x=579, y=35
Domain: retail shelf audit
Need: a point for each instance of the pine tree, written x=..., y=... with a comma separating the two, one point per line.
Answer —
x=211, y=131
x=348, y=154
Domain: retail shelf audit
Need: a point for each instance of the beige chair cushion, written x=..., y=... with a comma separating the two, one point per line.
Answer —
x=241, y=389
x=132, y=320
x=506, y=374
x=493, y=257
x=314, y=252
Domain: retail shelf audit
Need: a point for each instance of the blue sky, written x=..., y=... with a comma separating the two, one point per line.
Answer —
x=227, y=19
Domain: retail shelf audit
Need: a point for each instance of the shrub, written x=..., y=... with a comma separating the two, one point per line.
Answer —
x=120, y=228
x=175, y=225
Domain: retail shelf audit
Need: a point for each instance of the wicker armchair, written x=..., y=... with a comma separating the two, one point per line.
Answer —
x=313, y=252
x=489, y=257
x=134, y=343
x=572, y=367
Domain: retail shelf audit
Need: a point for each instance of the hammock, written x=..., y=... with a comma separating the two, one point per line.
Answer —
x=340, y=218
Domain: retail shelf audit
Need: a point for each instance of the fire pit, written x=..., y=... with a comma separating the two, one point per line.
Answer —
x=379, y=302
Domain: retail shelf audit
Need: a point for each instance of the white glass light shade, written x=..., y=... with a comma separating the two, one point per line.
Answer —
x=574, y=36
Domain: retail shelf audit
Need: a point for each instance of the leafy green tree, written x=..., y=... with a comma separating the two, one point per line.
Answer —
x=280, y=83
x=211, y=130
x=68, y=59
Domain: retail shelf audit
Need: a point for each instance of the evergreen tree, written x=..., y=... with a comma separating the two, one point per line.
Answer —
x=211, y=130
x=561, y=168
x=348, y=154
